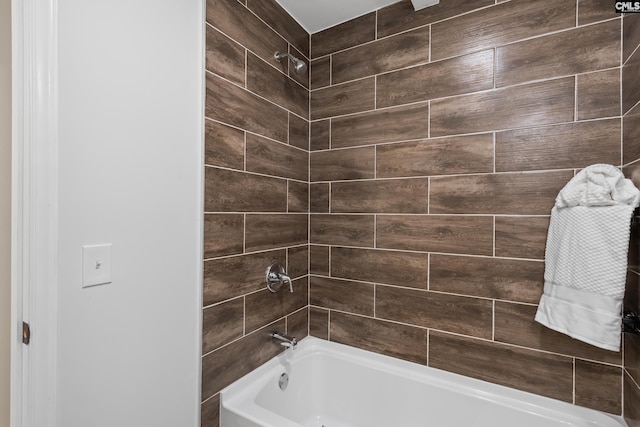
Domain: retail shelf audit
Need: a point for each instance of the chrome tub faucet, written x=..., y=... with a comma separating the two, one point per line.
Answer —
x=284, y=340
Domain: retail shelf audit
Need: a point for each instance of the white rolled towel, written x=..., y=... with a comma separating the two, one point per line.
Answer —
x=586, y=256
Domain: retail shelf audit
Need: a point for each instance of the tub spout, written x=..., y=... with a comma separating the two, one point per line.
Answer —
x=284, y=340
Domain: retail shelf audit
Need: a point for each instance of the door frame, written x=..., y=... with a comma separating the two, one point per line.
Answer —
x=34, y=221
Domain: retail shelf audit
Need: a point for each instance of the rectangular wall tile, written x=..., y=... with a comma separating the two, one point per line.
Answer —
x=298, y=261
x=434, y=310
x=210, y=412
x=229, y=191
x=223, y=366
x=298, y=324
x=390, y=339
x=319, y=259
x=455, y=76
x=319, y=198
x=632, y=289
x=388, y=125
x=632, y=355
x=595, y=10
x=264, y=80
x=452, y=234
x=380, y=196
x=320, y=133
x=248, y=273
x=473, y=154
x=384, y=55
x=350, y=163
x=285, y=25
x=513, y=107
x=224, y=57
x=346, y=98
x=401, y=16
x=277, y=159
x=390, y=267
x=515, y=324
x=350, y=230
x=630, y=35
x=233, y=105
x=498, y=25
x=223, y=234
x=275, y=231
x=598, y=95
x=319, y=323
x=572, y=145
x=298, y=132
x=631, y=135
x=512, y=193
x=343, y=295
x=265, y=307
x=599, y=387
x=298, y=197
x=222, y=324
x=631, y=402
x=224, y=145
x=237, y=22
x=533, y=371
x=521, y=236
x=630, y=85
x=538, y=58
x=507, y=279
x=351, y=33
x=320, y=72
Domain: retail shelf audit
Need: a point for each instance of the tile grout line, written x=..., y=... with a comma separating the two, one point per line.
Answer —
x=375, y=92
x=375, y=29
x=375, y=228
x=621, y=93
x=574, y=380
x=493, y=320
x=495, y=137
x=494, y=236
x=430, y=43
x=429, y=271
x=375, y=296
x=575, y=99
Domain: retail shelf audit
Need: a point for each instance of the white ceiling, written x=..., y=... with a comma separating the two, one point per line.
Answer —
x=317, y=15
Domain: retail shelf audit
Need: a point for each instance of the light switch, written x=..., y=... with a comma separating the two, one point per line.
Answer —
x=96, y=265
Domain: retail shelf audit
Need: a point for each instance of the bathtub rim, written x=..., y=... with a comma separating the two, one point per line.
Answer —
x=247, y=388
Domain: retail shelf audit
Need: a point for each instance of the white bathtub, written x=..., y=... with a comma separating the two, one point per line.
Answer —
x=332, y=385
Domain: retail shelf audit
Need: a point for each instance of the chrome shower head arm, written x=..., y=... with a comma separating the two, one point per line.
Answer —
x=298, y=65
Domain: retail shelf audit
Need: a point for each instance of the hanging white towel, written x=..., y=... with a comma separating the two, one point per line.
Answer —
x=586, y=256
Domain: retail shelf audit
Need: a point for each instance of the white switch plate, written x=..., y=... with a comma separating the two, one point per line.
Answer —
x=96, y=265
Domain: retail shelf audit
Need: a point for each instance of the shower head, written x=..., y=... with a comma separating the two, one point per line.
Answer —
x=298, y=64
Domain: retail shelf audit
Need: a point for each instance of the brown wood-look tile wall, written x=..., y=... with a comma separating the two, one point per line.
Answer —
x=631, y=159
x=256, y=189
x=439, y=140
x=431, y=196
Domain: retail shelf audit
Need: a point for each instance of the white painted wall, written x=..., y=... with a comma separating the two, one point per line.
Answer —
x=5, y=208
x=130, y=96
